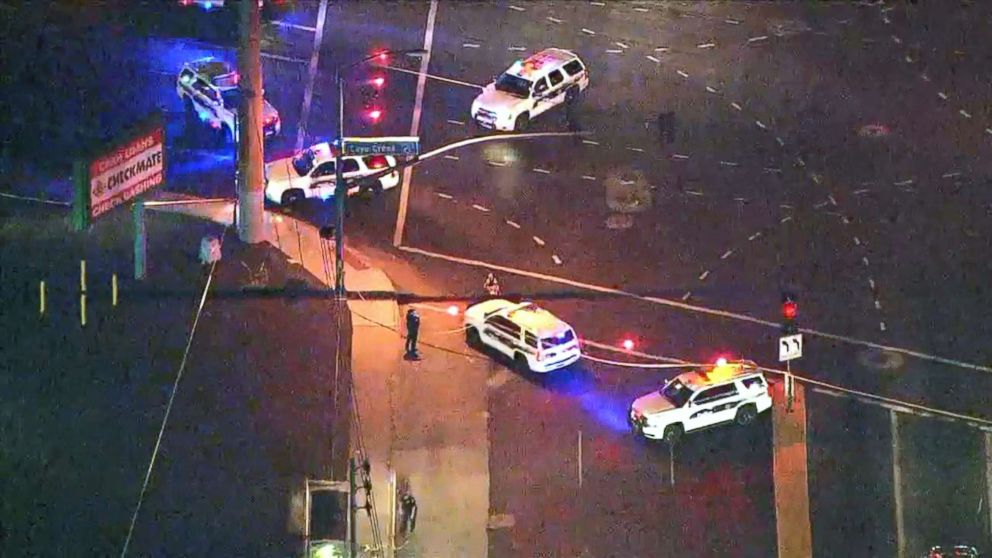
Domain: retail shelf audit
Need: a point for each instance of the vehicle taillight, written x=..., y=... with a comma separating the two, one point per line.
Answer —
x=378, y=162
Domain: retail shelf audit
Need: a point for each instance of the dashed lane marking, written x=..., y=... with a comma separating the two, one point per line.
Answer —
x=954, y=174
x=480, y=208
x=903, y=182
x=785, y=219
x=496, y=163
x=695, y=308
x=588, y=31
x=726, y=254
x=772, y=170
x=598, y=3
x=456, y=122
x=642, y=10
x=729, y=164
x=706, y=45
x=686, y=296
x=661, y=49
x=736, y=106
x=452, y=157
x=445, y=196
x=694, y=193
x=538, y=240
x=942, y=95
x=711, y=90
x=758, y=39
x=587, y=177
x=542, y=171
x=754, y=236
x=637, y=149
x=553, y=19
x=556, y=259
x=470, y=45
x=653, y=59
x=516, y=48
x=780, y=141
x=517, y=8
x=590, y=142
x=621, y=45
x=760, y=124
x=614, y=51
x=964, y=113
x=679, y=156
x=513, y=224
x=704, y=275
x=683, y=74
x=732, y=21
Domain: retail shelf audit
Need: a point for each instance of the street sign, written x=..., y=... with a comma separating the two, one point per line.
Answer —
x=790, y=347
x=404, y=146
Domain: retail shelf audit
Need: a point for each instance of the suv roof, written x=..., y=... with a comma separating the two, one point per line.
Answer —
x=720, y=373
x=534, y=318
x=539, y=64
x=219, y=72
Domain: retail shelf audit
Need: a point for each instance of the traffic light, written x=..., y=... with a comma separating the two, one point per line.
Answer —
x=790, y=311
x=370, y=99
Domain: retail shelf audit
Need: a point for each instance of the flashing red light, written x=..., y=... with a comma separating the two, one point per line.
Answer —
x=628, y=344
x=378, y=162
x=378, y=81
x=383, y=56
x=375, y=115
x=790, y=310
x=453, y=310
x=721, y=361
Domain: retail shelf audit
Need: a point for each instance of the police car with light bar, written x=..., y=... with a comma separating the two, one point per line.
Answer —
x=534, y=338
x=209, y=91
x=310, y=174
x=726, y=392
x=529, y=88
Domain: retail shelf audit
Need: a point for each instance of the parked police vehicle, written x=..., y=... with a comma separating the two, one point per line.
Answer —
x=534, y=338
x=529, y=88
x=726, y=392
x=311, y=174
x=209, y=91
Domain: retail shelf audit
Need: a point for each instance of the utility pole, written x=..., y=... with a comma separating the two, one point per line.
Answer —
x=340, y=193
x=248, y=134
x=352, y=507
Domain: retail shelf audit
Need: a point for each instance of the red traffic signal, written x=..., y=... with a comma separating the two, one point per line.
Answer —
x=374, y=115
x=790, y=310
x=378, y=81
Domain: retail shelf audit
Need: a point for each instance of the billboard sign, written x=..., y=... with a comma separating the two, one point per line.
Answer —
x=128, y=170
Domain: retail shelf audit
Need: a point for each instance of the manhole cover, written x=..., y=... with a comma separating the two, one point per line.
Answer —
x=873, y=131
x=501, y=521
x=619, y=221
x=881, y=359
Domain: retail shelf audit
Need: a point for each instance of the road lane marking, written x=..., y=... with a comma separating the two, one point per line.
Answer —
x=556, y=259
x=590, y=142
x=686, y=296
x=452, y=157
x=294, y=26
x=729, y=164
x=785, y=220
x=516, y=48
x=679, y=156
x=456, y=122
x=681, y=73
x=772, y=170
x=754, y=236
x=542, y=171
x=704, y=275
x=896, y=40
x=614, y=51
x=964, y=113
x=711, y=90
x=726, y=254
x=588, y=31
x=653, y=59
x=480, y=208
x=950, y=174
x=496, y=163
x=517, y=8
x=642, y=10
x=758, y=38
x=470, y=45
x=318, y=38
x=695, y=308
x=871, y=283
x=587, y=177
x=621, y=45
x=538, y=240
x=430, y=76
x=860, y=192
x=903, y=182
x=637, y=149
x=857, y=241
x=706, y=45
x=513, y=224
x=694, y=193
x=780, y=141
x=761, y=124
x=661, y=49
x=418, y=104
x=553, y=19
x=732, y=21
x=736, y=106
x=445, y=196
x=942, y=95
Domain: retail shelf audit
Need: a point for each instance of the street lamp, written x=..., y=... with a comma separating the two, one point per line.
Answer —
x=340, y=192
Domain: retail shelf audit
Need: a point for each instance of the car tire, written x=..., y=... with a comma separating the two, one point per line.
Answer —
x=291, y=197
x=746, y=415
x=372, y=190
x=673, y=433
x=520, y=364
x=521, y=123
x=472, y=338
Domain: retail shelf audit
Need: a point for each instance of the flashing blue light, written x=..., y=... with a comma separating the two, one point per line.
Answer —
x=207, y=5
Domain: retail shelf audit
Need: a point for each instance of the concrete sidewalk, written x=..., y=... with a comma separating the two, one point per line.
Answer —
x=791, y=480
x=422, y=422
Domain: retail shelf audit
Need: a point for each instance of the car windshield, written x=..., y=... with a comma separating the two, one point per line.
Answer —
x=232, y=98
x=516, y=86
x=676, y=393
x=561, y=339
x=303, y=163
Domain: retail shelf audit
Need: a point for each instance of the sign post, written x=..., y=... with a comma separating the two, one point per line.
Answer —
x=402, y=146
x=790, y=347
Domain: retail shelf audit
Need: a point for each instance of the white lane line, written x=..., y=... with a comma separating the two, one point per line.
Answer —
x=681, y=73
x=445, y=196
x=418, y=104
x=517, y=8
x=857, y=241
x=642, y=10
x=726, y=254
x=614, y=51
x=301, y=131
x=833, y=201
x=864, y=260
x=686, y=296
x=553, y=19
x=871, y=283
x=587, y=177
x=492, y=163
x=711, y=90
x=661, y=49
x=590, y=142
x=878, y=305
x=626, y=182
x=704, y=275
x=908, y=59
x=772, y=170
x=814, y=177
x=456, y=122
x=924, y=77
x=758, y=38
x=621, y=45
x=780, y=141
x=588, y=31
x=732, y=21
x=736, y=106
x=637, y=149
x=903, y=182
x=860, y=192
x=538, y=240
x=598, y=3
x=516, y=48
x=729, y=164
x=695, y=308
x=452, y=157
x=820, y=205
x=694, y=193
x=800, y=162
x=964, y=113
x=942, y=95
x=881, y=326
x=988, y=131
x=470, y=45
x=679, y=156
x=294, y=26
x=786, y=206
x=480, y=208
x=556, y=259
x=283, y=58
x=785, y=220
x=542, y=171
x=430, y=76
x=950, y=174
x=754, y=236
x=653, y=59
x=761, y=124
x=513, y=224
x=706, y=45
x=896, y=40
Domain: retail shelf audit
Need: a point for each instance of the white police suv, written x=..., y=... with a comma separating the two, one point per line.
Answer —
x=725, y=392
x=311, y=174
x=209, y=91
x=534, y=338
x=529, y=88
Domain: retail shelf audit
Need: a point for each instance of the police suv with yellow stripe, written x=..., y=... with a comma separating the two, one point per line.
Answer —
x=535, y=339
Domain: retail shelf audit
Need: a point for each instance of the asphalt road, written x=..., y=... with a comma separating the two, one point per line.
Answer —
x=772, y=180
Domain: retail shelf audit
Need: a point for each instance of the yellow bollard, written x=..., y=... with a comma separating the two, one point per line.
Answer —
x=82, y=309
x=82, y=276
x=41, y=298
x=113, y=289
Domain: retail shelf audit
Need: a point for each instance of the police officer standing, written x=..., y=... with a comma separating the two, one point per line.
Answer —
x=412, y=331
x=409, y=510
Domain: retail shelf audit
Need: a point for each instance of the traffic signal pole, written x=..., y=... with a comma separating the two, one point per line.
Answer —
x=248, y=135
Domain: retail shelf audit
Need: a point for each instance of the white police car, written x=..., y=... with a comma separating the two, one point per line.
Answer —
x=725, y=392
x=534, y=338
x=311, y=174
x=529, y=88
x=209, y=91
